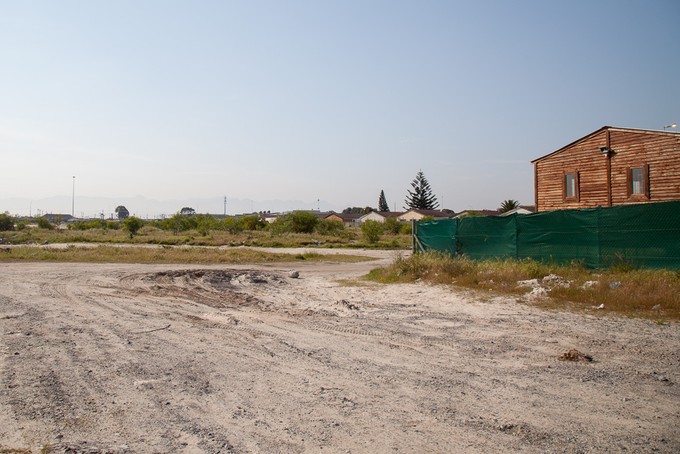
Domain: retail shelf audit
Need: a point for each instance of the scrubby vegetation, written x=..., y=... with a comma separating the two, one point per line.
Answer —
x=6, y=222
x=642, y=293
x=297, y=229
x=44, y=223
x=162, y=254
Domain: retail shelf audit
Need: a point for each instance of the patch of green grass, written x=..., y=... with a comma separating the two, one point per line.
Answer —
x=653, y=294
x=162, y=254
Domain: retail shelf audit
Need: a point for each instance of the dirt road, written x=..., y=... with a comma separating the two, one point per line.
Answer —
x=200, y=359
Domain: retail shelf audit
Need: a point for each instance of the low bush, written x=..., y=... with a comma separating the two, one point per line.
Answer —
x=372, y=231
x=44, y=223
x=132, y=225
x=296, y=222
x=6, y=222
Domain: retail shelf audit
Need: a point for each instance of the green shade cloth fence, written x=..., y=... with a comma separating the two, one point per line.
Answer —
x=646, y=235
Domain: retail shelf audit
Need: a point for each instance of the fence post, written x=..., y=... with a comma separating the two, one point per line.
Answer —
x=414, y=232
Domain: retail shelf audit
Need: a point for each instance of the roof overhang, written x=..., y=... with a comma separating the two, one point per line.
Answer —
x=604, y=128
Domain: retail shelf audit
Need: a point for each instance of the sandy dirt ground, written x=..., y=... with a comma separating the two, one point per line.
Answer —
x=98, y=358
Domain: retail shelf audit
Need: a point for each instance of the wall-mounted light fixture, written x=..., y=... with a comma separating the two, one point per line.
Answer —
x=670, y=126
x=605, y=149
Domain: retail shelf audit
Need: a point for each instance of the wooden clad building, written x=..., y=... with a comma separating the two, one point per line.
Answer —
x=611, y=166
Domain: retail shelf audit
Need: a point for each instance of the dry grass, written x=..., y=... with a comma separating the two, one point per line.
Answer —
x=162, y=254
x=653, y=294
x=14, y=450
x=349, y=238
x=44, y=449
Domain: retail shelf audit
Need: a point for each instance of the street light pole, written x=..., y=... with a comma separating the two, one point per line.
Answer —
x=73, y=198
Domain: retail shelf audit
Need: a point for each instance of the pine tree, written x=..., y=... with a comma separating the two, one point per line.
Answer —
x=382, y=202
x=421, y=198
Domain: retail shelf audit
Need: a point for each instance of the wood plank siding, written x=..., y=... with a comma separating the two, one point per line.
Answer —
x=605, y=178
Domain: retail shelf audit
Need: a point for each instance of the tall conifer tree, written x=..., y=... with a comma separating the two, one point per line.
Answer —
x=382, y=202
x=421, y=198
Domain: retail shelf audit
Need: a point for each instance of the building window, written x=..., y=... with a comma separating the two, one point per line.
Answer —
x=638, y=181
x=570, y=182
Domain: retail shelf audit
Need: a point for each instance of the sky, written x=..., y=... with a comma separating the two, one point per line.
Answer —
x=283, y=105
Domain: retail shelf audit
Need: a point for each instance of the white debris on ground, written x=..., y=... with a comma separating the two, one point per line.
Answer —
x=553, y=280
x=540, y=288
x=533, y=283
x=537, y=293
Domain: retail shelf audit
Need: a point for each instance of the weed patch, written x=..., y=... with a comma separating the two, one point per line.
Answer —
x=164, y=254
x=653, y=294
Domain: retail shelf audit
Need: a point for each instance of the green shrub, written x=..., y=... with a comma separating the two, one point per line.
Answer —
x=205, y=223
x=44, y=223
x=392, y=225
x=372, y=231
x=253, y=222
x=326, y=227
x=231, y=225
x=405, y=228
x=296, y=222
x=6, y=222
x=132, y=225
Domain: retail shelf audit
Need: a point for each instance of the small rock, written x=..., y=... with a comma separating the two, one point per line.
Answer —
x=601, y=306
x=538, y=292
x=294, y=274
x=575, y=355
x=589, y=284
x=615, y=284
x=656, y=307
x=551, y=278
x=349, y=305
x=533, y=283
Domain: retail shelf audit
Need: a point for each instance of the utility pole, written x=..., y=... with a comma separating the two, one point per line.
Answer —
x=73, y=198
x=225, y=205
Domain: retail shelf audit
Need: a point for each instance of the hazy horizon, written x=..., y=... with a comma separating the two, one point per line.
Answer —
x=316, y=104
x=140, y=206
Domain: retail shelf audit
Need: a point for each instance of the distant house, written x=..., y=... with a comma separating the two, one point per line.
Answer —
x=417, y=215
x=379, y=216
x=468, y=213
x=55, y=218
x=347, y=219
x=322, y=214
x=610, y=166
x=522, y=209
x=268, y=217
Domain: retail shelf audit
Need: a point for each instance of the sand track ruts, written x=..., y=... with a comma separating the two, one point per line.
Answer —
x=149, y=358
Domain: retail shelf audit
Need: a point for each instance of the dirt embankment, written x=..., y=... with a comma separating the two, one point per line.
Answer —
x=133, y=358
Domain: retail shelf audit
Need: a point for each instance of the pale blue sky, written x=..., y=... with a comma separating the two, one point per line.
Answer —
x=330, y=100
